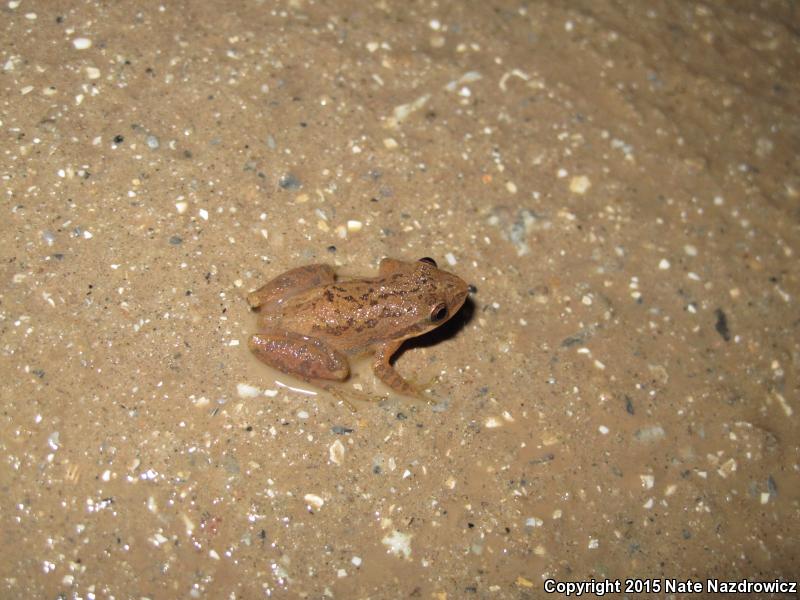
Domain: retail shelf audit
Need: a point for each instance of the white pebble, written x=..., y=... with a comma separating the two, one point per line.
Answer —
x=203, y=214
x=398, y=543
x=690, y=250
x=664, y=264
x=336, y=452
x=356, y=560
x=93, y=72
x=82, y=43
x=247, y=391
x=450, y=258
x=603, y=429
x=354, y=226
x=314, y=501
x=492, y=423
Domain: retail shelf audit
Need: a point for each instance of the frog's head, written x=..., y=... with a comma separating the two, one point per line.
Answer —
x=430, y=296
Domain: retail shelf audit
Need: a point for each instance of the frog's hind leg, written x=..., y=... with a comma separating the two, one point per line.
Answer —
x=291, y=282
x=299, y=355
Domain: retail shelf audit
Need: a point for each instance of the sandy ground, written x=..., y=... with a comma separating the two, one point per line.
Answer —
x=618, y=182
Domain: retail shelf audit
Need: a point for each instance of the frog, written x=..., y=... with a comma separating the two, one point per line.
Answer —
x=311, y=324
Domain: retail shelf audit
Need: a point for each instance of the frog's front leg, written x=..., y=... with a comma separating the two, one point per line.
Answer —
x=299, y=355
x=289, y=283
x=386, y=372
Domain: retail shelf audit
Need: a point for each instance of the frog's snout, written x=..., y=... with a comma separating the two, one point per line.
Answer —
x=459, y=295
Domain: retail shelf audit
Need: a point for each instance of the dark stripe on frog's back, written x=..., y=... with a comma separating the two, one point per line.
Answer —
x=338, y=309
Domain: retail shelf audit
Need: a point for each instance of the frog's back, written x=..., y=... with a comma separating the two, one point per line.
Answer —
x=344, y=314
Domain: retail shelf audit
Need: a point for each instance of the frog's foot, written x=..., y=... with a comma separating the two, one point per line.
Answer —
x=384, y=370
x=290, y=283
x=299, y=355
x=346, y=395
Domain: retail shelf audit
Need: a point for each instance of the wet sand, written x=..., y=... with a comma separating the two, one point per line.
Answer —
x=619, y=398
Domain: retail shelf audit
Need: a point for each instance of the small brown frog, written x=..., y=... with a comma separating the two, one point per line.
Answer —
x=311, y=324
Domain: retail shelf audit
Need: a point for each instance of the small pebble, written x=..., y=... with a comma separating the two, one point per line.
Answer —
x=664, y=264
x=398, y=543
x=336, y=452
x=314, y=501
x=82, y=43
x=247, y=391
x=579, y=184
x=289, y=182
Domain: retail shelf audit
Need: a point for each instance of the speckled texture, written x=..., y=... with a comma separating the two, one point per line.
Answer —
x=618, y=181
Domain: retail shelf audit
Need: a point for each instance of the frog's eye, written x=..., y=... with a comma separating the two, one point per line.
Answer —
x=439, y=312
x=429, y=260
